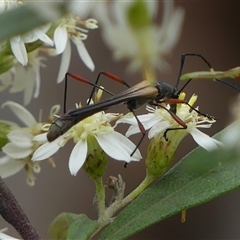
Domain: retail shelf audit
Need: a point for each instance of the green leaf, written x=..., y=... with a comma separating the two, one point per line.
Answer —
x=232, y=73
x=72, y=226
x=199, y=177
x=4, y=130
x=82, y=228
x=23, y=19
x=60, y=225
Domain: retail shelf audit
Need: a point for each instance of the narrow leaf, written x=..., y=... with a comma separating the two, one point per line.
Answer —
x=60, y=225
x=199, y=177
x=82, y=228
x=232, y=73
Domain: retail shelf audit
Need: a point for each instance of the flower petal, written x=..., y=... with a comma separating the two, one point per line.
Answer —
x=134, y=128
x=83, y=53
x=36, y=70
x=19, y=50
x=30, y=83
x=60, y=39
x=6, y=80
x=19, y=81
x=205, y=141
x=16, y=152
x=20, y=138
x=33, y=35
x=118, y=146
x=78, y=157
x=12, y=124
x=40, y=138
x=65, y=61
x=43, y=37
x=9, y=166
x=158, y=128
x=46, y=150
x=22, y=113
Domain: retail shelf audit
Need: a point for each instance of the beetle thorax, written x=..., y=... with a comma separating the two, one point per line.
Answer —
x=166, y=91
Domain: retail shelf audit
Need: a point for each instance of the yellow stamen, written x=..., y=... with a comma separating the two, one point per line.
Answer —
x=98, y=95
x=182, y=96
x=183, y=216
x=192, y=100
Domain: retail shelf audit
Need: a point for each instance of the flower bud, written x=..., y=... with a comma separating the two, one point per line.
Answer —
x=160, y=152
x=96, y=160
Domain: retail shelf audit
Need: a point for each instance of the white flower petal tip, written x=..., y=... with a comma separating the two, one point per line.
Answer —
x=206, y=142
x=16, y=152
x=65, y=62
x=19, y=50
x=22, y=113
x=118, y=147
x=60, y=39
x=44, y=38
x=77, y=157
x=46, y=150
x=40, y=138
x=83, y=53
x=10, y=166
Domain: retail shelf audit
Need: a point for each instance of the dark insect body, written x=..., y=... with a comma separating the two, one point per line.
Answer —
x=134, y=97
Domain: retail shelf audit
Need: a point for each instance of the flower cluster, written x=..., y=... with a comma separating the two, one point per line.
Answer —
x=95, y=130
x=140, y=40
x=165, y=133
x=131, y=30
x=158, y=120
x=18, y=151
x=21, y=70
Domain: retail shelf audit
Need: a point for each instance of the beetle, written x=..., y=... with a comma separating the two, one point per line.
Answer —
x=134, y=97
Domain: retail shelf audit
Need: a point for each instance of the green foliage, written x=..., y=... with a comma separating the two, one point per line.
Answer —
x=72, y=226
x=23, y=19
x=231, y=73
x=199, y=177
x=18, y=22
x=82, y=228
x=4, y=130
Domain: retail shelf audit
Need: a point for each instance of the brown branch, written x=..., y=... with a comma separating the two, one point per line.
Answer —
x=13, y=214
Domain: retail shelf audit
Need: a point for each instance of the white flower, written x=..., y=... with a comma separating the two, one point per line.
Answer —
x=17, y=43
x=10, y=166
x=20, y=147
x=19, y=78
x=143, y=46
x=95, y=127
x=159, y=120
x=69, y=29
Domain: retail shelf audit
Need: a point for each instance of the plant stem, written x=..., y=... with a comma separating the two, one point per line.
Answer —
x=107, y=215
x=100, y=192
x=120, y=204
x=13, y=214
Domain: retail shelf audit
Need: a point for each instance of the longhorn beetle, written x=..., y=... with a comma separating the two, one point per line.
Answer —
x=134, y=97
